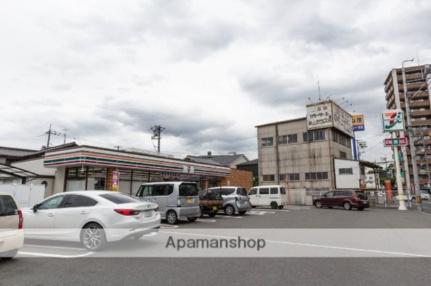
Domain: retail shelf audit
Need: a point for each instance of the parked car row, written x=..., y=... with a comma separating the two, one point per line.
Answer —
x=95, y=218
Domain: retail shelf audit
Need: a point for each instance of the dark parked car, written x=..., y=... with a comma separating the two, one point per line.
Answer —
x=210, y=202
x=346, y=199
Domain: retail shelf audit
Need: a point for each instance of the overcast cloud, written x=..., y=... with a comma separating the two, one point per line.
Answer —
x=208, y=71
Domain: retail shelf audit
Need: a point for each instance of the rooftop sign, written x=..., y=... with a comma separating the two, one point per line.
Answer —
x=328, y=114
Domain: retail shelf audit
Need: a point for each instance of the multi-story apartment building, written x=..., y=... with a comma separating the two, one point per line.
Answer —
x=302, y=157
x=418, y=81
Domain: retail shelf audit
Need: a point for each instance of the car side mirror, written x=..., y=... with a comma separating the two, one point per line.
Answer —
x=35, y=207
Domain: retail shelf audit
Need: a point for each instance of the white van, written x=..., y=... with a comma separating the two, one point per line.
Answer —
x=273, y=196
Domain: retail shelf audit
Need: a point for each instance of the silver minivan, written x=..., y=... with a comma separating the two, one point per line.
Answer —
x=235, y=199
x=176, y=200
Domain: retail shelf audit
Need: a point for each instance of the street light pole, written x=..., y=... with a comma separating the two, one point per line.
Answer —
x=409, y=128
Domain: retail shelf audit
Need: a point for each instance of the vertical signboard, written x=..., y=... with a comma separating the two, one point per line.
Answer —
x=115, y=181
x=393, y=120
x=358, y=122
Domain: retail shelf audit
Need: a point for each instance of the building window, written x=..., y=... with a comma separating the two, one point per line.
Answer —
x=345, y=171
x=267, y=141
x=315, y=135
x=340, y=138
x=288, y=139
x=282, y=177
x=313, y=176
x=292, y=138
x=343, y=155
x=293, y=176
x=269, y=178
x=282, y=139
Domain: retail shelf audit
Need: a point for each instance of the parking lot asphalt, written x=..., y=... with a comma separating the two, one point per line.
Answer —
x=59, y=263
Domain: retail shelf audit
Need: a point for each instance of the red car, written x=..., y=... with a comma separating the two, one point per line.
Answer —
x=346, y=199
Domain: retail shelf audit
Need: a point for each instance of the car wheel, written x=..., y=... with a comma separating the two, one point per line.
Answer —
x=229, y=210
x=280, y=207
x=9, y=255
x=274, y=205
x=202, y=212
x=318, y=204
x=347, y=206
x=192, y=219
x=93, y=236
x=171, y=217
x=242, y=212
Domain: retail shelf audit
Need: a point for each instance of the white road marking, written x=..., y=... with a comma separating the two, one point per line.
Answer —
x=53, y=247
x=311, y=245
x=167, y=226
x=206, y=220
x=260, y=212
x=54, y=255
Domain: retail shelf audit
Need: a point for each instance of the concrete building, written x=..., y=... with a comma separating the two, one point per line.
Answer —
x=300, y=153
x=418, y=82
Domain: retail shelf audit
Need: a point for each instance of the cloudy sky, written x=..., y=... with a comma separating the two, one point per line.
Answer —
x=208, y=71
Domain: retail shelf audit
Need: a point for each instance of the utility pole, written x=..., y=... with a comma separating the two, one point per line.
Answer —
x=49, y=133
x=411, y=138
x=157, y=134
x=64, y=135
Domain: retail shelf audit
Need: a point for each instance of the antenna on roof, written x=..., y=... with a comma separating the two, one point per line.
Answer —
x=318, y=90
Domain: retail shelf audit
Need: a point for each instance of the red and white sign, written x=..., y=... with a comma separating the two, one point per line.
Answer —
x=389, y=142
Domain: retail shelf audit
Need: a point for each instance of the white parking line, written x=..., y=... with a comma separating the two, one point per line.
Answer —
x=206, y=220
x=168, y=226
x=54, y=255
x=53, y=247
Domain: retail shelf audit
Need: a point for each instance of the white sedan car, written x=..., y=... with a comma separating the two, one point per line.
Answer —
x=91, y=217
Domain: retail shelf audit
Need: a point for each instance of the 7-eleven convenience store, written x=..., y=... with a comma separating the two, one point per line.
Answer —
x=95, y=168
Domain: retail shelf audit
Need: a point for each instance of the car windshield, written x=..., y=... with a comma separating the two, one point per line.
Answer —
x=241, y=192
x=119, y=199
x=361, y=195
x=209, y=195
